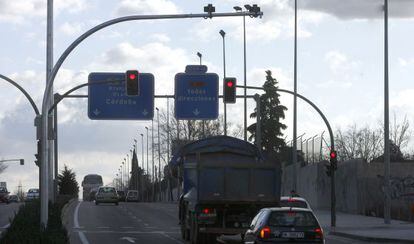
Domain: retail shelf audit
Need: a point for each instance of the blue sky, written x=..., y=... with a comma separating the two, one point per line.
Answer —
x=340, y=66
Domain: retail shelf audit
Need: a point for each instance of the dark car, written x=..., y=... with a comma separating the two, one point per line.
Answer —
x=4, y=194
x=13, y=198
x=285, y=224
x=122, y=196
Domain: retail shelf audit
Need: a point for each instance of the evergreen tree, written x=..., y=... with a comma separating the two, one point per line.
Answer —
x=67, y=182
x=272, y=112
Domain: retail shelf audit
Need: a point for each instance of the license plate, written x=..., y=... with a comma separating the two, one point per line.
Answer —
x=293, y=234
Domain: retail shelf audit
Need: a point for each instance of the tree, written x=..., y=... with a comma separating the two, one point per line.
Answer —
x=67, y=182
x=365, y=143
x=272, y=112
x=399, y=132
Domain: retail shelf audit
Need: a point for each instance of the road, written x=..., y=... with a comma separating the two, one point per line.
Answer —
x=6, y=212
x=154, y=223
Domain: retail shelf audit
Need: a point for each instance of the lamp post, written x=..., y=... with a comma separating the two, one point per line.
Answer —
x=159, y=152
x=237, y=8
x=200, y=56
x=152, y=153
x=147, y=164
x=222, y=33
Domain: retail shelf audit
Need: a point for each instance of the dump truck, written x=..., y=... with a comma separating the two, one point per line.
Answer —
x=225, y=182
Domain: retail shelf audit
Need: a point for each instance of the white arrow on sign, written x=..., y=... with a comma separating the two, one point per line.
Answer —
x=96, y=112
x=145, y=112
x=129, y=239
x=196, y=112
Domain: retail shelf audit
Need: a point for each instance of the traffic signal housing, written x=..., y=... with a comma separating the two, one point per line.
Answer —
x=229, y=90
x=333, y=159
x=132, y=82
x=39, y=153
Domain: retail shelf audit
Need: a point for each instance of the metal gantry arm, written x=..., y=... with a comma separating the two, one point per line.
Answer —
x=333, y=197
x=29, y=98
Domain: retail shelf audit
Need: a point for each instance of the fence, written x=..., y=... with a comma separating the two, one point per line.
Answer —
x=313, y=149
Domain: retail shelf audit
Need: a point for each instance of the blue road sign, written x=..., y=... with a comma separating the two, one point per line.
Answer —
x=109, y=101
x=196, y=94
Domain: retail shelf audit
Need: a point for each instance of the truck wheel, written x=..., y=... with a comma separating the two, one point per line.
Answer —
x=197, y=237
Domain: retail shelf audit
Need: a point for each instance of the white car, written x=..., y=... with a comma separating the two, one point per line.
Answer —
x=32, y=194
x=296, y=202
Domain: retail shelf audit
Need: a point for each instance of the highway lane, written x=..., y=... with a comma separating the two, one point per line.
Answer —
x=126, y=223
x=154, y=223
x=7, y=211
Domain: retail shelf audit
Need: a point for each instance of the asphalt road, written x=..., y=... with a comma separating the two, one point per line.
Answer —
x=154, y=223
x=6, y=212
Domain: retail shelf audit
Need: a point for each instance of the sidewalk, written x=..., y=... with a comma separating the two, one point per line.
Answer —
x=367, y=228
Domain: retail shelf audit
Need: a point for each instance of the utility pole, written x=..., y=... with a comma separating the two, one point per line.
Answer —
x=148, y=171
x=159, y=153
x=295, y=90
x=153, y=159
x=387, y=168
x=223, y=34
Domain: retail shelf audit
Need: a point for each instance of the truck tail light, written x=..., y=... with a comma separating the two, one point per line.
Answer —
x=265, y=232
x=208, y=212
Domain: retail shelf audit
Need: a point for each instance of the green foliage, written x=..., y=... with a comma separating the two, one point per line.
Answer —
x=272, y=112
x=25, y=227
x=67, y=182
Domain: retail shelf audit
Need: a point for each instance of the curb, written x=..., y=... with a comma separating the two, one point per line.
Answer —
x=370, y=239
x=65, y=209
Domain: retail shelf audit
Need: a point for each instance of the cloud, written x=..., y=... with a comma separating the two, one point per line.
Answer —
x=19, y=11
x=157, y=58
x=342, y=68
x=131, y=7
x=71, y=29
x=357, y=9
x=277, y=22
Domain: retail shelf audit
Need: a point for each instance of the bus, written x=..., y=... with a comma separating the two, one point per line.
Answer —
x=90, y=182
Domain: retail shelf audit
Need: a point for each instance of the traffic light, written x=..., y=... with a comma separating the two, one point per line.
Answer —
x=132, y=82
x=39, y=153
x=333, y=159
x=229, y=90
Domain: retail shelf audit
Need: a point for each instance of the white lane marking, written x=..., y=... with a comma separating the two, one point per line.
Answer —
x=172, y=238
x=82, y=236
x=129, y=239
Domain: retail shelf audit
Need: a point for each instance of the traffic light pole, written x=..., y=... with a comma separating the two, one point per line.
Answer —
x=333, y=198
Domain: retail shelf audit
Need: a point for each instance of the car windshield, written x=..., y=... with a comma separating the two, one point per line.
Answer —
x=107, y=190
x=292, y=218
x=34, y=191
x=293, y=203
x=3, y=189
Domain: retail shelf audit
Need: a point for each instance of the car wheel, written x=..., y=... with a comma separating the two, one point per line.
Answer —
x=96, y=203
x=117, y=203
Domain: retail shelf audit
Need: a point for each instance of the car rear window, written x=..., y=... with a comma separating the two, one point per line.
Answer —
x=107, y=190
x=33, y=191
x=293, y=203
x=292, y=218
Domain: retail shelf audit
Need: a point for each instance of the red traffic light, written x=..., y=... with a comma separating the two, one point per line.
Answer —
x=230, y=83
x=333, y=155
x=132, y=76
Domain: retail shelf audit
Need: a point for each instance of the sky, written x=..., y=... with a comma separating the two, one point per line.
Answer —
x=340, y=67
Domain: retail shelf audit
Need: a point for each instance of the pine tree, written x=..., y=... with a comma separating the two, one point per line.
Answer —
x=272, y=112
x=67, y=182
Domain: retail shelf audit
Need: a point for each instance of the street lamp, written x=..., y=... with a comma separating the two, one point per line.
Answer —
x=147, y=163
x=237, y=8
x=159, y=153
x=200, y=56
x=222, y=33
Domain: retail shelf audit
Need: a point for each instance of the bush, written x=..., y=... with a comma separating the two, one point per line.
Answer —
x=25, y=227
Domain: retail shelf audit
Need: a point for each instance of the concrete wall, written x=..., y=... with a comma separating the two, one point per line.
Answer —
x=359, y=187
